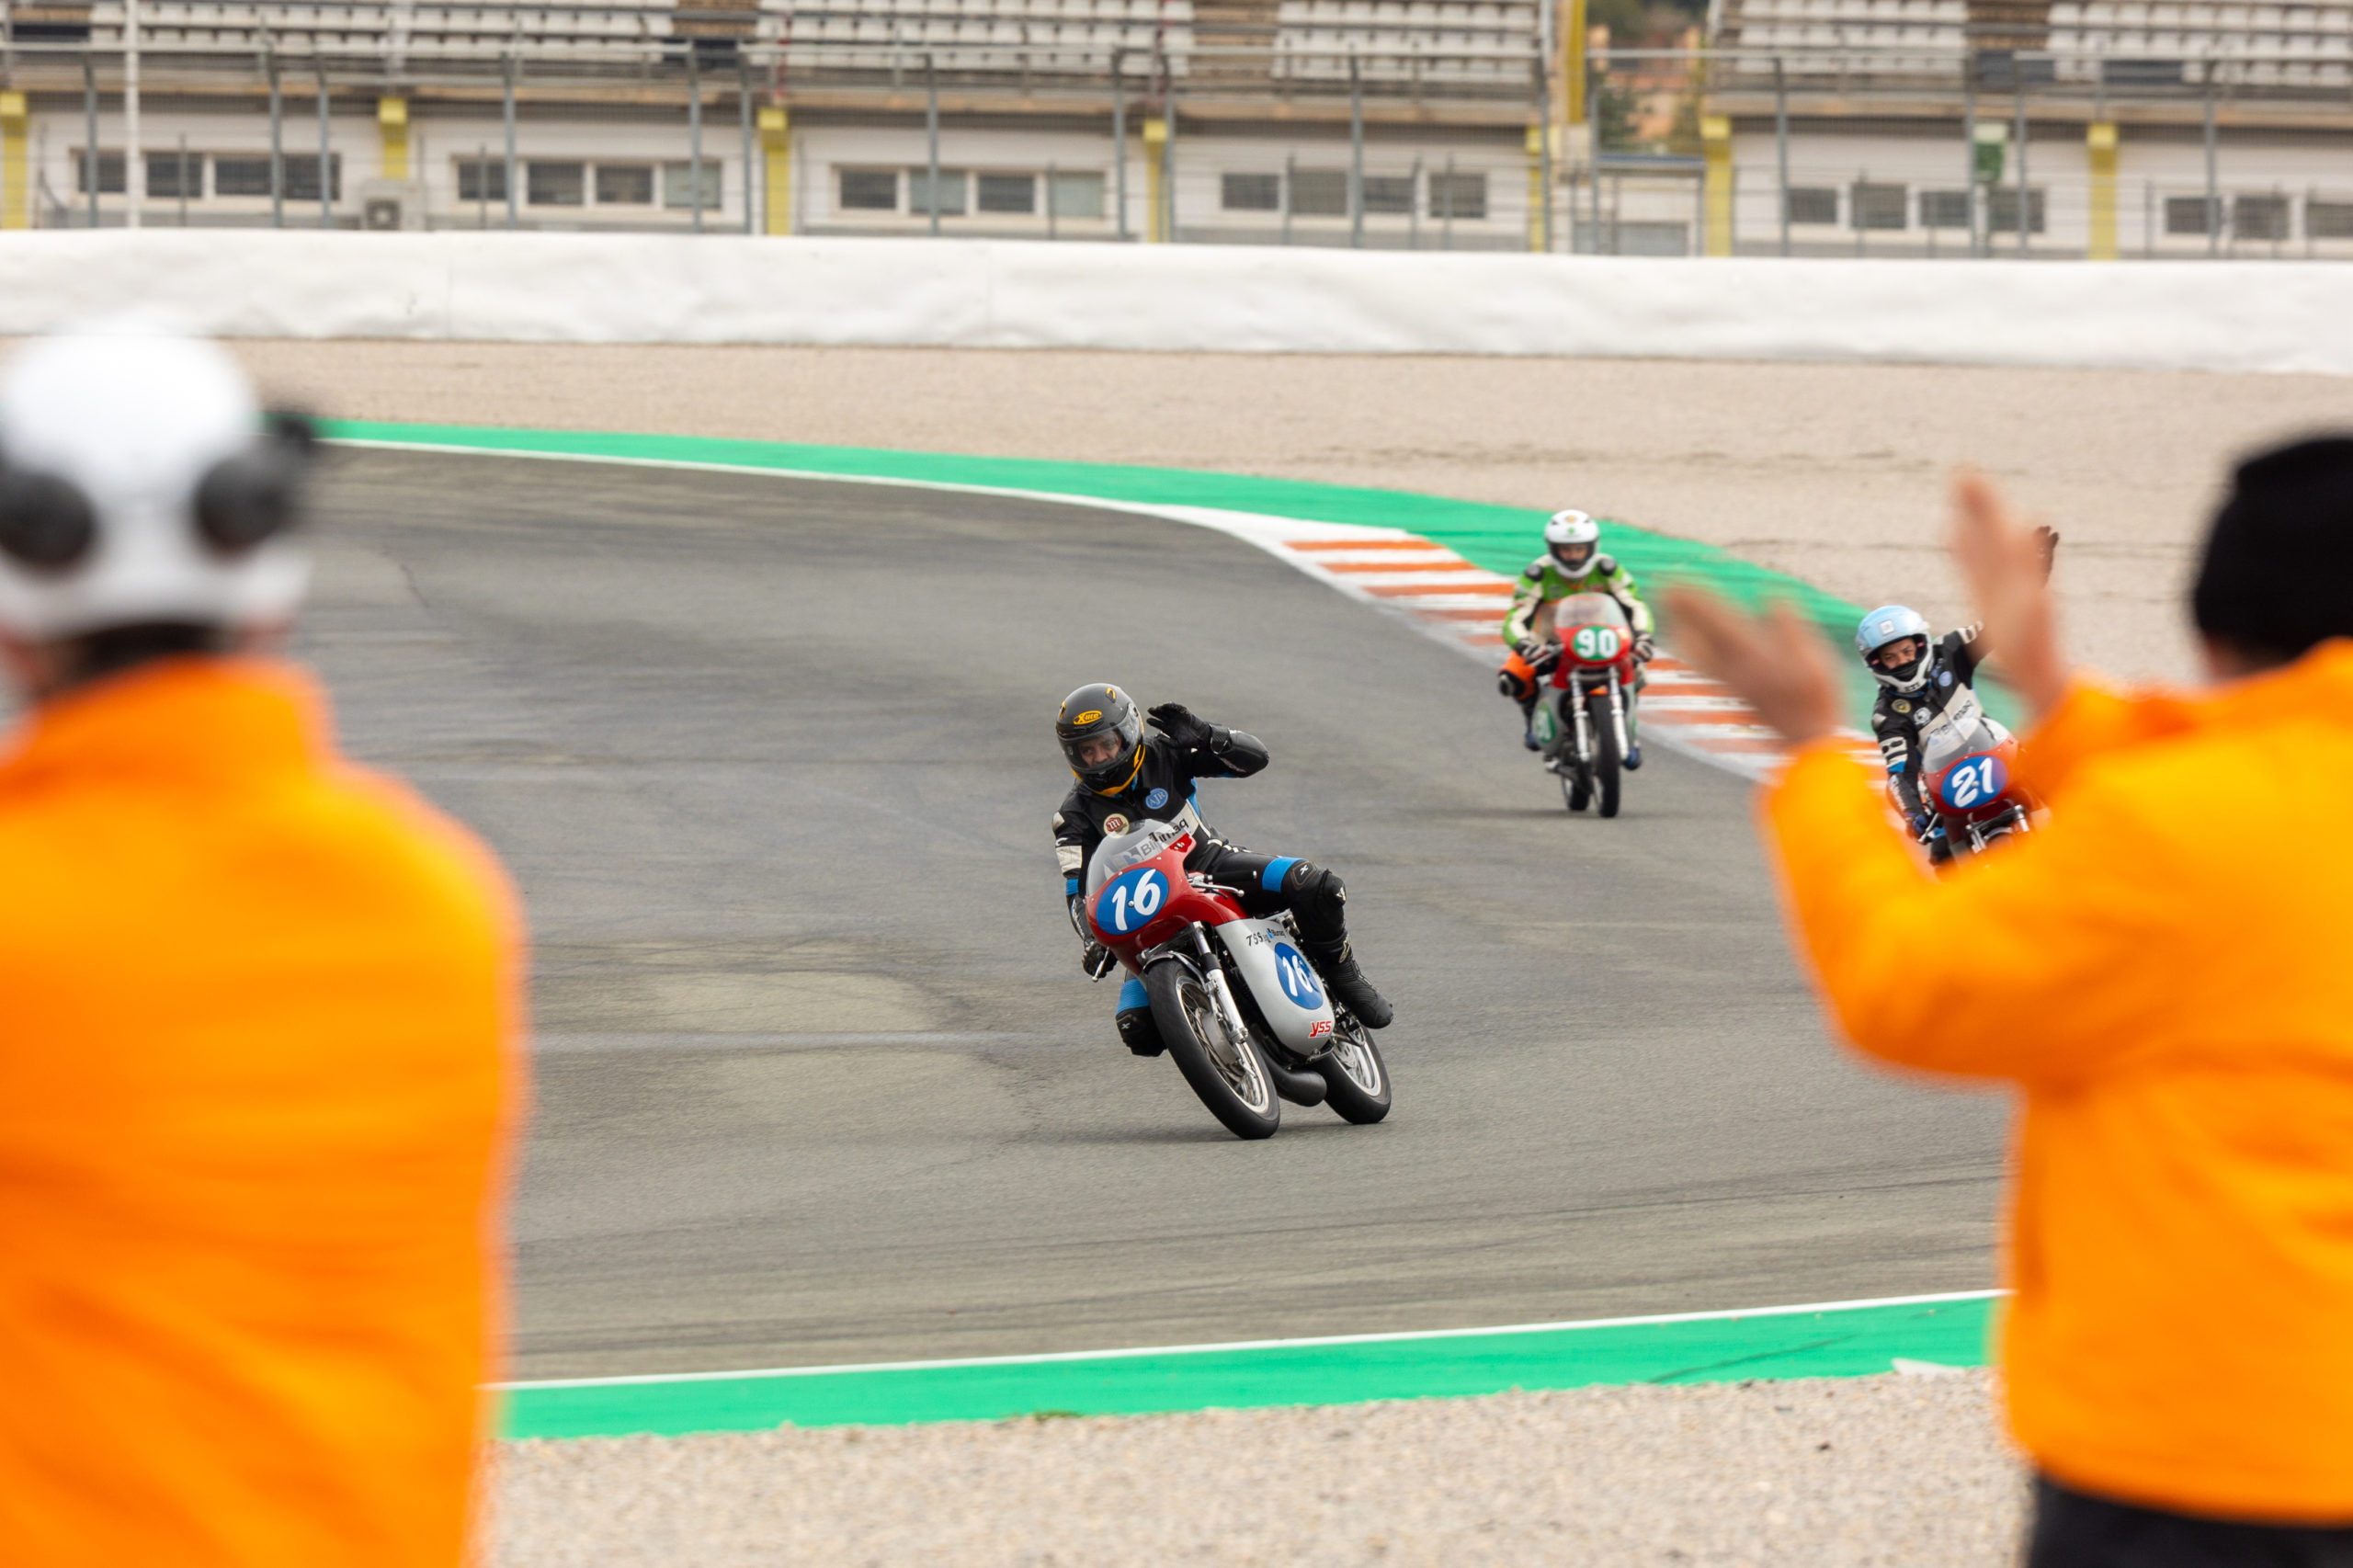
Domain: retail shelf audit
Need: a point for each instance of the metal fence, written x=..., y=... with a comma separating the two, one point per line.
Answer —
x=1441, y=125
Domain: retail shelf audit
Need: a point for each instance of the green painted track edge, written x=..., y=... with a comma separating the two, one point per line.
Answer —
x=1839, y=1341
x=1501, y=538
x=1835, y=1341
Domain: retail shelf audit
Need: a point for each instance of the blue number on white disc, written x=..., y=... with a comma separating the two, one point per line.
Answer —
x=1974, y=782
x=1128, y=903
x=1298, y=977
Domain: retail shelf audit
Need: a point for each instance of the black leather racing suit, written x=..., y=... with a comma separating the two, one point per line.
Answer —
x=1898, y=717
x=1163, y=789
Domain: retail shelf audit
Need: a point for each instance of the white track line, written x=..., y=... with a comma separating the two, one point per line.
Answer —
x=1402, y=1338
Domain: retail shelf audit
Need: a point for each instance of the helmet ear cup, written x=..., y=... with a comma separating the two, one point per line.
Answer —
x=46, y=523
x=256, y=494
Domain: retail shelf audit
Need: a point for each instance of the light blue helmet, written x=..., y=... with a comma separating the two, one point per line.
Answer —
x=1891, y=623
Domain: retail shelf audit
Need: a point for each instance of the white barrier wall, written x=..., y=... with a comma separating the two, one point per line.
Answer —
x=654, y=289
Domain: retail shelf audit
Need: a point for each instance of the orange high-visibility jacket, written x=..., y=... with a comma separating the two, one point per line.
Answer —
x=2166, y=973
x=257, y=1017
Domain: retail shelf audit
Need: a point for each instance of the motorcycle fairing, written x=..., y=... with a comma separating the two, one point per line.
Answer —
x=1290, y=995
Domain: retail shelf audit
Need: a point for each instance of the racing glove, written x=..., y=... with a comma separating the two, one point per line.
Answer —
x=1645, y=646
x=1541, y=656
x=1177, y=721
x=1097, y=960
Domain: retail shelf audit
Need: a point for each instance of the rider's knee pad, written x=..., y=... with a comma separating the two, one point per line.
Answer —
x=1317, y=897
x=1514, y=684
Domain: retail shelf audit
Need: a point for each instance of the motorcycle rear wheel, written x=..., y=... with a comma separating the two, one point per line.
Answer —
x=1356, y=1078
x=1605, y=759
x=1231, y=1078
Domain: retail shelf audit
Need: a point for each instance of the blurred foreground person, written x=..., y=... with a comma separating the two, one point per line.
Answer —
x=256, y=1008
x=2165, y=972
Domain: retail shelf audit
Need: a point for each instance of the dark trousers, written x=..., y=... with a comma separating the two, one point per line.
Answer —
x=1268, y=884
x=2073, y=1530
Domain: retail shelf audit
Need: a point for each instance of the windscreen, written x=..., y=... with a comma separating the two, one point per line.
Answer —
x=1121, y=850
x=1945, y=746
x=1590, y=609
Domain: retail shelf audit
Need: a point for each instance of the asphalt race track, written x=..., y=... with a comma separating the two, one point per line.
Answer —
x=819, y=1078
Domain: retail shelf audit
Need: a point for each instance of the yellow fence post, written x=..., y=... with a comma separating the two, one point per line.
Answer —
x=391, y=129
x=1536, y=192
x=15, y=169
x=1715, y=141
x=775, y=157
x=1155, y=137
x=2099, y=145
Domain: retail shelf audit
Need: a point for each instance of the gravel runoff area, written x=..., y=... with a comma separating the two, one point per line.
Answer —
x=1835, y=473
x=1819, y=1474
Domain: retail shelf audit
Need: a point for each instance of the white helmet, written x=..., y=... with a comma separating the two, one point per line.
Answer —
x=1570, y=529
x=139, y=481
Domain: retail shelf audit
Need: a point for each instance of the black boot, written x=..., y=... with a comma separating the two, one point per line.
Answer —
x=1338, y=967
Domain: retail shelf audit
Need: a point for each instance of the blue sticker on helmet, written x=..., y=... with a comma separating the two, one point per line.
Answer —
x=1156, y=800
x=1298, y=977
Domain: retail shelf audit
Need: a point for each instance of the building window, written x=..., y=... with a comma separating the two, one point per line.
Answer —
x=2187, y=214
x=950, y=202
x=1078, y=195
x=2328, y=219
x=1944, y=210
x=1006, y=193
x=2002, y=209
x=2259, y=218
x=109, y=173
x=1320, y=193
x=556, y=184
x=478, y=178
x=1813, y=204
x=1388, y=193
x=869, y=190
x=1250, y=193
x=302, y=178
x=240, y=176
x=678, y=186
x=1877, y=206
x=1458, y=196
x=176, y=174
x=624, y=185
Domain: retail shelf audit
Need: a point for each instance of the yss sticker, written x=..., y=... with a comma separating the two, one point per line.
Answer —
x=1975, y=782
x=1600, y=644
x=1127, y=904
x=1298, y=977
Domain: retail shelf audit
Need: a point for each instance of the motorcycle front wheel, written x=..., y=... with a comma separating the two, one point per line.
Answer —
x=1605, y=751
x=1356, y=1078
x=1228, y=1075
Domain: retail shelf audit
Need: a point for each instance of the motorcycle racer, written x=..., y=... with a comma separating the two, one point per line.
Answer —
x=1124, y=777
x=1921, y=677
x=1573, y=563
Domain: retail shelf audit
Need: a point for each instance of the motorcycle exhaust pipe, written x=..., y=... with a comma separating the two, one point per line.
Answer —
x=1300, y=1088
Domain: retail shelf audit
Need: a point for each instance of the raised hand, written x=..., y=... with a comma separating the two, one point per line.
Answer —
x=1777, y=661
x=2007, y=563
x=1177, y=721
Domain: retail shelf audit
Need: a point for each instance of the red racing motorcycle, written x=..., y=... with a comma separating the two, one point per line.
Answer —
x=1239, y=1007
x=1965, y=777
x=1582, y=725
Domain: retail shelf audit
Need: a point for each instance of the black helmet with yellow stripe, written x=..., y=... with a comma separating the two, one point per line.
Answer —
x=1102, y=737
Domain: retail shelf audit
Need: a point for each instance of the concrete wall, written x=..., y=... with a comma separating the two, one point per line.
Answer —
x=728, y=289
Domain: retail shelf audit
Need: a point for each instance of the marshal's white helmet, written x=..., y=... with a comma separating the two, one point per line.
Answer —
x=139, y=481
x=1568, y=530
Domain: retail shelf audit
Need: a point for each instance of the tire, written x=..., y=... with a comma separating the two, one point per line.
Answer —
x=1605, y=751
x=1358, y=1087
x=1241, y=1092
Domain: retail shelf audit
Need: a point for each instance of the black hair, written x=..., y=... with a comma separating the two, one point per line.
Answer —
x=2277, y=574
x=114, y=649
